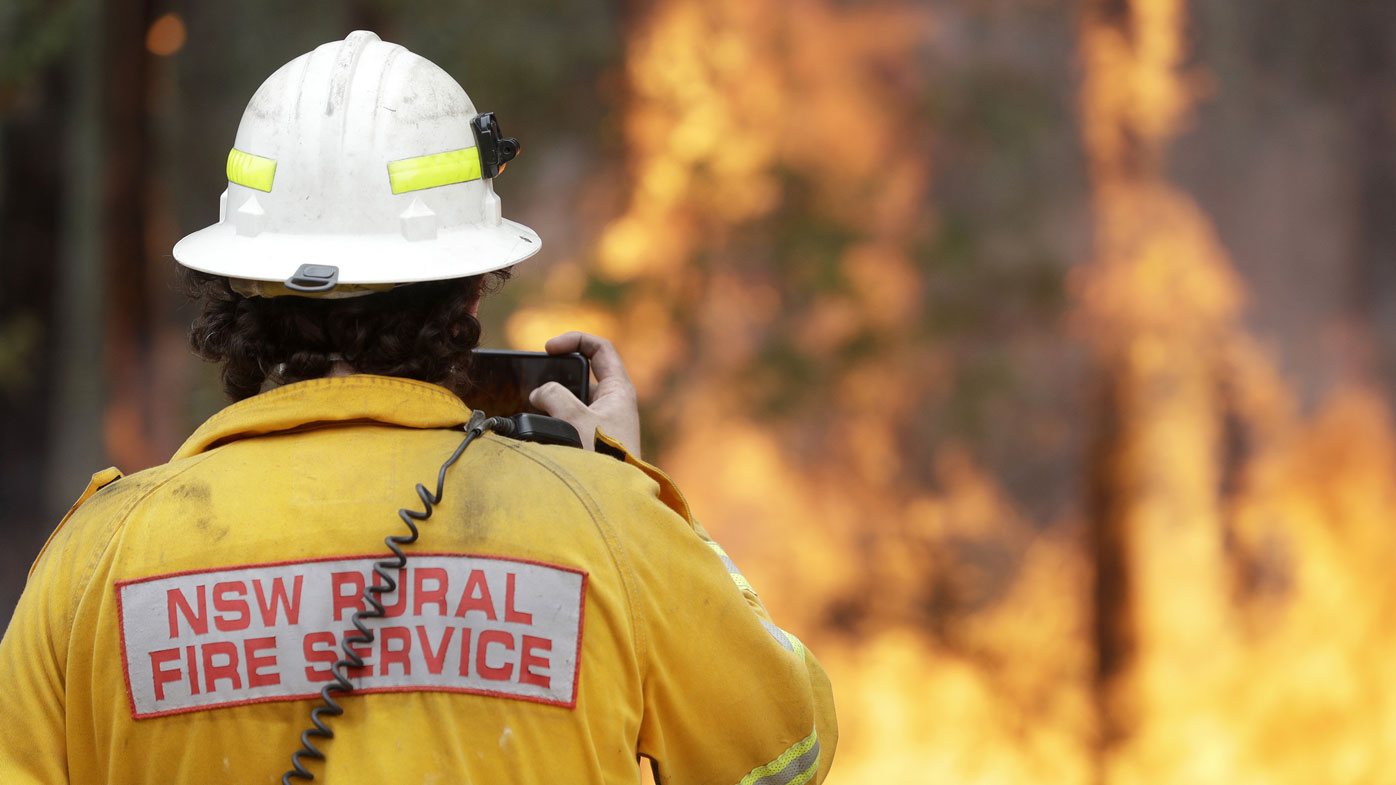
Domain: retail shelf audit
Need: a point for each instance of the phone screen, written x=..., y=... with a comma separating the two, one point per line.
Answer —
x=501, y=380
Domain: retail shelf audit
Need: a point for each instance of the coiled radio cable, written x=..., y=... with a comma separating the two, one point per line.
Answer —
x=385, y=570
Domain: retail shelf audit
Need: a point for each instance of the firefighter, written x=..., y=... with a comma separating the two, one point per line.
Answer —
x=562, y=612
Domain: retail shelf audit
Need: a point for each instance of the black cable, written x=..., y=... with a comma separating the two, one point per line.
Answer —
x=329, y=706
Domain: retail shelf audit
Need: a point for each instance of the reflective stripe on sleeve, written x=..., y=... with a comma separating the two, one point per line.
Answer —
x=731, y=566
x=431, y=171
x=251, y=171
x=787, y=641
x=794, y=766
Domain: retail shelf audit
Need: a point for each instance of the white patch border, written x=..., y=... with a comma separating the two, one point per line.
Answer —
x=577, y=667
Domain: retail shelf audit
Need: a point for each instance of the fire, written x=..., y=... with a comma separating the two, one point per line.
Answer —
x=1238, y=634
x=1162, y=303
x=742, y=114
x=1217, y=616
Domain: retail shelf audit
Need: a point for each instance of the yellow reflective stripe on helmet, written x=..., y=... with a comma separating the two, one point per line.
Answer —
x=795, y=766
x=252, y=171
x=430, y=171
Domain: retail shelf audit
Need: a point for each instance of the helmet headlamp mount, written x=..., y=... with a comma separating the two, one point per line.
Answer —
x=496, y=150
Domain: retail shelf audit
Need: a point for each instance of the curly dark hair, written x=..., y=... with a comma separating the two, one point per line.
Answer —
x=421, y=331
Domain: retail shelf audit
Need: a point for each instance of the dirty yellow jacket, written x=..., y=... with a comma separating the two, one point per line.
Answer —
x=561, y=614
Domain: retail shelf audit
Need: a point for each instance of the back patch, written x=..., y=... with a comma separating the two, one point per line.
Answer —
x=270, y=632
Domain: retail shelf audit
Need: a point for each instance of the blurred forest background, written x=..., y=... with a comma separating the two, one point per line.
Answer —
x=1052, y=343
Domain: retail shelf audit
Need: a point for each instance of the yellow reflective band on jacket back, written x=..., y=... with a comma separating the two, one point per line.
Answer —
x=252, y=171
x=431, y=171
x=795, y=766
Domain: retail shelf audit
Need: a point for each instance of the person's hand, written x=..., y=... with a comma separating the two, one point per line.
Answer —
x=614, y=408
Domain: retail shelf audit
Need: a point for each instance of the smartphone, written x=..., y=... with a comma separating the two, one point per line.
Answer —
x=500, y=380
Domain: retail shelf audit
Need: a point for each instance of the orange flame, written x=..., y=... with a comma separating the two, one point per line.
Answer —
x=1220, y=616
x=1242, y=643
x=738, y=110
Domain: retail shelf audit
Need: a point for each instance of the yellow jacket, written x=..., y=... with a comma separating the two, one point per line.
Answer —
x=561, y=613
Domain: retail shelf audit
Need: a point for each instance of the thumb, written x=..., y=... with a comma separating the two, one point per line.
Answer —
x=558, y=401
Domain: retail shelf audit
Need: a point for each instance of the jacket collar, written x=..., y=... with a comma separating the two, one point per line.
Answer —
x=384, y=399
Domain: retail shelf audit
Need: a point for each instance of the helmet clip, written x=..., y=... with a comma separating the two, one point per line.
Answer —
x=496, y=150
x=313, y=279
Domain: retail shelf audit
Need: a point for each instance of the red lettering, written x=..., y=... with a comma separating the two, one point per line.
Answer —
x=469, y=601
x=160, y=675
x=387, y=655
x=509, y=613
x=174, y=598
x=527, y=661
x=224, y=606
x=422, y=596
x=291, y=605
x=193, y=663
x=435, y=659
x=250, y=647
x=465, y=651
x=353, y=600
x=227, y=670
x=482, y=666
x=399, y=607
x=314, y=654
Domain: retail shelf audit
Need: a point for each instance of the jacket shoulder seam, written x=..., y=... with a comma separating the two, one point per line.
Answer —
x=83, y=499
x=118, y=522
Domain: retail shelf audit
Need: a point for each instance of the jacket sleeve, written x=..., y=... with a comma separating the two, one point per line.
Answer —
x=31, y=679
x=730, y=698
x=32, y=656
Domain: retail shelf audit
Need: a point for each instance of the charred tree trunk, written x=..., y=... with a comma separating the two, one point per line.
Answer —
x=74, y=448
x=124, y=212
x=31, y=167
x=1370, y=35
x=1105, y=507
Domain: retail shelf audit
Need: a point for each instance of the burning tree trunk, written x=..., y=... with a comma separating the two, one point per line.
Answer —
x=1162, y=303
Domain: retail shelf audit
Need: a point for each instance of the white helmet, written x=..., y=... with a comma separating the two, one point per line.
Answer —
x=358, y=166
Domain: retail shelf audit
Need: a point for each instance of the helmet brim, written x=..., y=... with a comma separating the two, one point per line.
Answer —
x=275, y=256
